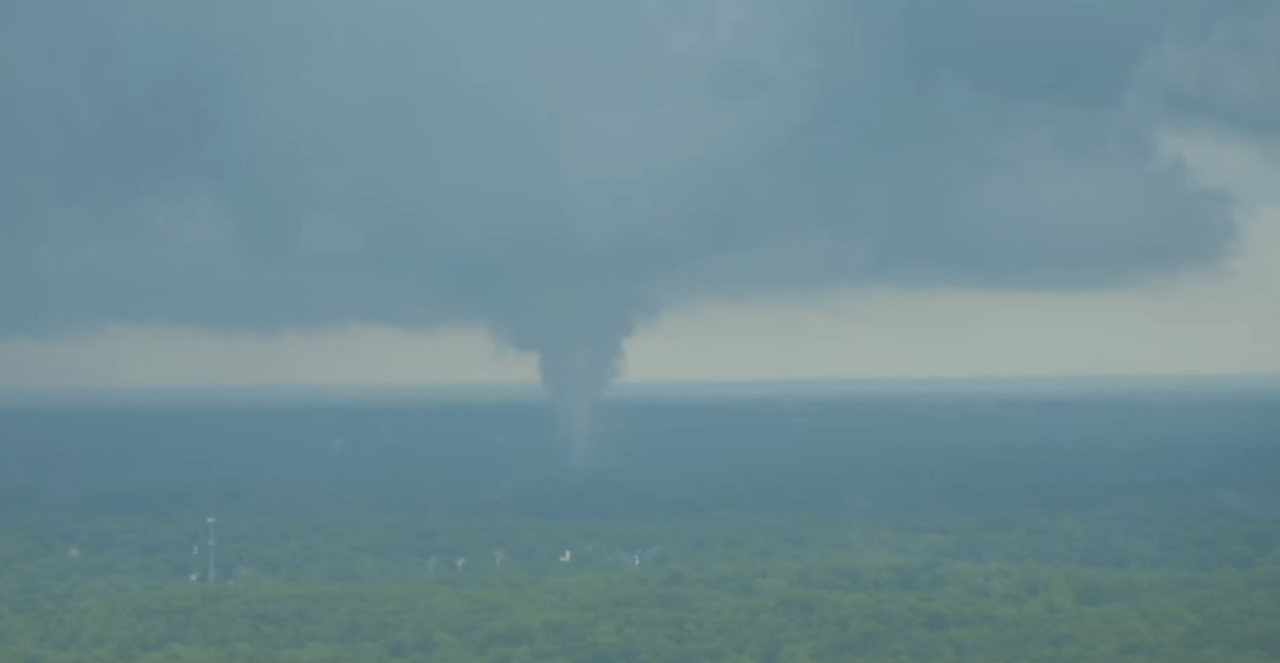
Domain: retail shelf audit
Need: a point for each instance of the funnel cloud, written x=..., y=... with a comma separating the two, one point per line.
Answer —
x=559, y=172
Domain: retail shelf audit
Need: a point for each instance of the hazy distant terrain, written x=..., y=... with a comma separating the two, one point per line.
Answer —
x=932, y=527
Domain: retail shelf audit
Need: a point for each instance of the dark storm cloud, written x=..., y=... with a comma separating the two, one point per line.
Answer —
x=557, y=170
x=279, y=164
x=1224, y=74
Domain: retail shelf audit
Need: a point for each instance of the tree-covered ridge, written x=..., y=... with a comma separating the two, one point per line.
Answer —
x=813, y=572
x=833, y=610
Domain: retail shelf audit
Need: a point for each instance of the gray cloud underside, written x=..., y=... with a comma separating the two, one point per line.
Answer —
x=1224, y=75
x=559, y=170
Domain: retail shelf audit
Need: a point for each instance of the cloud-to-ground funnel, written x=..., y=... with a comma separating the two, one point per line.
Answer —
x=558, y=170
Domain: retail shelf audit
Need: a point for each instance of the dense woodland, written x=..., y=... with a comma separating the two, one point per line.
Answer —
x=863, y=531
x=813, y=572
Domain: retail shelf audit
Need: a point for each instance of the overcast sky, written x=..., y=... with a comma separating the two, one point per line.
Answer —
x=258, y=193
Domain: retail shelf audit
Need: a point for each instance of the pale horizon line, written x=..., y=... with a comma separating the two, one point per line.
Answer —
x=789, y=387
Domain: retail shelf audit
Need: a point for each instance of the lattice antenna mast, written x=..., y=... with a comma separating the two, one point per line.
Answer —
x=213, y=543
